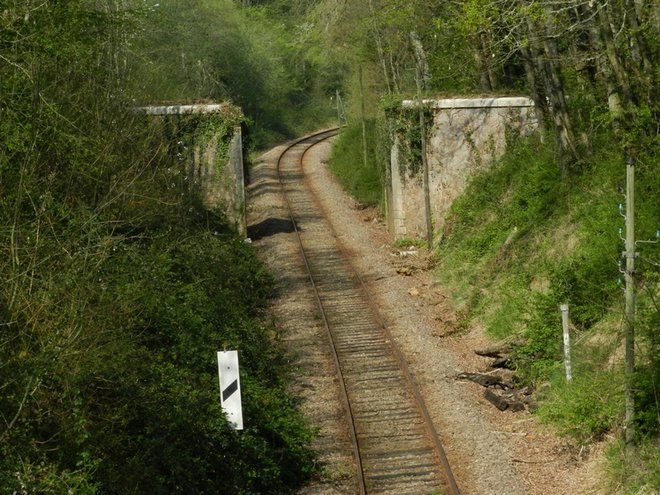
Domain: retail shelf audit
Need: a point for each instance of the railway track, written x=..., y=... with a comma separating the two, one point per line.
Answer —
x=395, y=445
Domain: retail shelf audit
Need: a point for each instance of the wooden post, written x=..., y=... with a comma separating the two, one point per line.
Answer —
x=425, y=164
x=630, y=299
x=567, y=342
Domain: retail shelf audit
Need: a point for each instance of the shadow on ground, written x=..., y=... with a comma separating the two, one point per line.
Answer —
x=270, y=226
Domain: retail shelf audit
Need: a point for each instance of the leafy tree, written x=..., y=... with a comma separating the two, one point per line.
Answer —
x=571, y=49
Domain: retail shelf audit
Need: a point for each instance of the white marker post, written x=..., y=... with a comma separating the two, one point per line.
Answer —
x=567, y=342
x=230, y=388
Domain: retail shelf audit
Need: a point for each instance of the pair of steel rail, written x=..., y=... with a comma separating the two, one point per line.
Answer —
x=395, y=444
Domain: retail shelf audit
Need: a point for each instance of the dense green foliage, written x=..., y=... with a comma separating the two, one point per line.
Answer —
x=118, y=286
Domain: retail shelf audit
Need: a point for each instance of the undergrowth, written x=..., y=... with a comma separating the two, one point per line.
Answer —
x=634, y=471
x=119, y=288
x=522, y=240
x=111, y=325
x=361, y=181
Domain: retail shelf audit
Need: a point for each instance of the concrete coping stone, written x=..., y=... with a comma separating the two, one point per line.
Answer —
x=186, y=109
x=455, y=103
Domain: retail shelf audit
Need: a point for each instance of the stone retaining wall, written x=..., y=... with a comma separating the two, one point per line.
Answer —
x=467, y=135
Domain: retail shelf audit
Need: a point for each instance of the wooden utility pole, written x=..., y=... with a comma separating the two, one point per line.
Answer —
x=425, y=164
x=630, y=299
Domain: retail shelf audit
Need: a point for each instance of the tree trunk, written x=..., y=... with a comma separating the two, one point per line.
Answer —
x=555, y=92
x=478, y=55
x=487, y=75
x=490, y=68
x=616, y=65
x=395, y=75
x=603, y=68
x=379, y=46
x=422, y=62
x=543, y=65
x=638, y=48
x=534, y=87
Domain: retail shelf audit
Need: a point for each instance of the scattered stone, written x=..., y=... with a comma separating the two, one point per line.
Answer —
x=503, y=403
x=413, y=292
x=501, y=389
x=404, y=270
x=516, y=406
x=500, y=353
x=502, y=362
x=406, y=253
x=448, y=329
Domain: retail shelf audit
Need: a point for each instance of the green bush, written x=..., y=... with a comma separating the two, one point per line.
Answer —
x=586, y=408
x=132, y=401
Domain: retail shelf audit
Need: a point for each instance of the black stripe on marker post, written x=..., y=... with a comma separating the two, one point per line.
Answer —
x=226, y=393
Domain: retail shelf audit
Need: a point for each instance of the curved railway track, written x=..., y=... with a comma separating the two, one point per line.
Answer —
x=395, y=445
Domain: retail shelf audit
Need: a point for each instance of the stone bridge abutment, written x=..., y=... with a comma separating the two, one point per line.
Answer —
x=465, y=137
x=211, y=139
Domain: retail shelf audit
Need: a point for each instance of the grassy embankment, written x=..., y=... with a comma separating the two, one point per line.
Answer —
x=523, y=240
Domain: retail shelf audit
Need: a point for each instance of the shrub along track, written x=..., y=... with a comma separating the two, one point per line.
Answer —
x=395, y=446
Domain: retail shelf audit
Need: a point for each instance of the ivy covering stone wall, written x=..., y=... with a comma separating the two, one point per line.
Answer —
x=209, y=145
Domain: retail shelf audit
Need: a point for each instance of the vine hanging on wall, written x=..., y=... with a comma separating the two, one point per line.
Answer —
x=404, y=124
